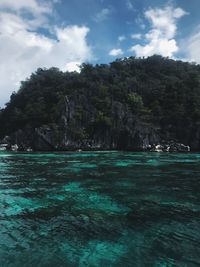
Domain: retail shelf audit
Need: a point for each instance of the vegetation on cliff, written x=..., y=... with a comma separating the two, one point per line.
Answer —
x=111, y=102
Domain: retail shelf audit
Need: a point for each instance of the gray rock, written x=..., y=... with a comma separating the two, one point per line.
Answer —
x=170, y=147
x=69, y=132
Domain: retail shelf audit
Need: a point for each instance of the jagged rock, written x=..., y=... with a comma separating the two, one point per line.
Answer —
x=68, y=133
x=170, y=147
x=14, y=147
x=159, y=148
x=46, y=138
x=3, y=147
x=177, y=147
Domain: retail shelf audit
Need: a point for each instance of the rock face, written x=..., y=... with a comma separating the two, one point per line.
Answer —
x=127, y=132
x=70, y=132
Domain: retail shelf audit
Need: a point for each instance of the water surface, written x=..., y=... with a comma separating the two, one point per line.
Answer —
x=99, y=209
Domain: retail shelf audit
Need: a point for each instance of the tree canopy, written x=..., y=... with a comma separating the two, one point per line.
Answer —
x=157, y=91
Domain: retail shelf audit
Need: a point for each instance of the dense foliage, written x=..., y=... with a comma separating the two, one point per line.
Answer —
x=157, y=91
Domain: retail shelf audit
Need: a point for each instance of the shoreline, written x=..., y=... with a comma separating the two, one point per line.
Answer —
x=97, y=151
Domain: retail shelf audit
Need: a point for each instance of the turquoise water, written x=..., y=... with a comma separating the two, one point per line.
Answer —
x=99, y=209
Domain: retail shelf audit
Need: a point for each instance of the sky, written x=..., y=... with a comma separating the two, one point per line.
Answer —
x=65, y=33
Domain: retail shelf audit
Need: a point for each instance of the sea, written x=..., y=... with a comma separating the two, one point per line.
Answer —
x=110, y=208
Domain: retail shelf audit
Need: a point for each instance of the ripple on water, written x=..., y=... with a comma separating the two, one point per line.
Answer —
x=99, y=209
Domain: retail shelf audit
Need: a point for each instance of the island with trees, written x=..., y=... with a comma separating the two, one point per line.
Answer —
x=136, y=104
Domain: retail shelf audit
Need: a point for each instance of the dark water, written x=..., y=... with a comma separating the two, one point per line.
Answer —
x=99, y=209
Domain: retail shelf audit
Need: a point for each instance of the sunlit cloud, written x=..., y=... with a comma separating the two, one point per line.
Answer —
x=161, y=37
x=23, y=48
x=116, y=52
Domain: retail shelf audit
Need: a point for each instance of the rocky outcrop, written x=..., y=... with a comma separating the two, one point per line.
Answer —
x=48, y=138
x=125, y=132
x=171, y=146
x=3, y=147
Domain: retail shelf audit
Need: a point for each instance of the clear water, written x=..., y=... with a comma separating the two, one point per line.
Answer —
x=99, y=209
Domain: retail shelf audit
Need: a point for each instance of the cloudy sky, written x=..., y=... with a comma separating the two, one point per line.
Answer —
x=65, y=33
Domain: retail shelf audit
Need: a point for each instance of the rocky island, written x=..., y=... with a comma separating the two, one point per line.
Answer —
x=131, y=104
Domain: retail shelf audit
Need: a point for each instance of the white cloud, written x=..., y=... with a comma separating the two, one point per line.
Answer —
x=161, y=38
x=129, y=5
x=179, y=12
x=73, y=66
x=140, y=22
x=192, y=46
x=102, y=15
x=33, y=6
x=23, y=49
x=116, y=52
x=137, y=36
x=121, y=38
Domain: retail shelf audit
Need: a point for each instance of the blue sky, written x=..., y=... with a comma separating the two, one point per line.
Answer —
x=66, y=33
